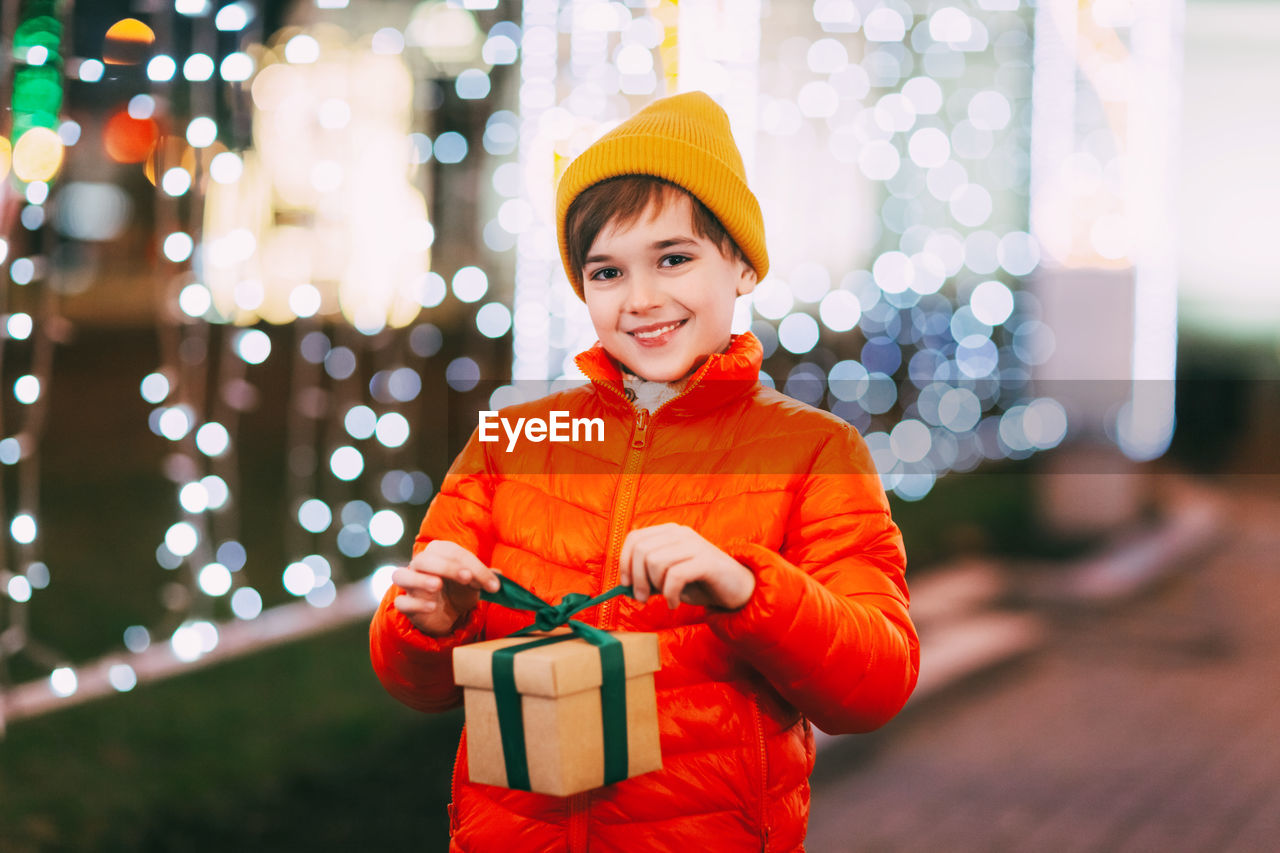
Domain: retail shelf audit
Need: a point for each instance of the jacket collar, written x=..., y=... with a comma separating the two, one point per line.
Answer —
x=723, y=376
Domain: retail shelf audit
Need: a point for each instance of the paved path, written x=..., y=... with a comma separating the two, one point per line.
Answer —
x=1154, y=727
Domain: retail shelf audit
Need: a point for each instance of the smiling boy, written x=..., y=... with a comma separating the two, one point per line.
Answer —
x=659, y=294
x=753, y=527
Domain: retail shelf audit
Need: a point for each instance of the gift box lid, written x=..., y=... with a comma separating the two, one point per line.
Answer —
x=556, y=669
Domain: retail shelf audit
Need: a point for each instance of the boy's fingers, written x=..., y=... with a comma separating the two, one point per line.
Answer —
x=410, y=606
x=677, y=577
x=450, y=561
x=475, y=573
x=659, y=558
x=416, y=582
x=640, y=586
x=630, y=561
x=624, y=562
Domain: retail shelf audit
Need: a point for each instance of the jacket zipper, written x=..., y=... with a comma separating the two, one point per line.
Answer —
x=758, y=718
x=579, y=804
x=622, y=510
x=617, y=532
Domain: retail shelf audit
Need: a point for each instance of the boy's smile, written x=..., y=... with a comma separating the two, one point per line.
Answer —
x=660, y=296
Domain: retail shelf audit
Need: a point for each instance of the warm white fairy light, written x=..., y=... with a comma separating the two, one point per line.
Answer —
x=26, y=389
x=186, y=644
x=298, y=578
x=198, y=67
x=315, y=516
x=191, y=8
x=63, y=681
x=253, y=346
x=234, y=16
x=22, y=271
x=246, y=603
x=10, y=451
x=181, y=538
x=161, y=68
x=141, y=107
x=236, y=67
x=212, y=439
x=346, y=462
x=386, y=527
x=380, y=581
x=178, y=246
x=195, y=299
x=215, y=579
x=176, y=181
x=91, y=70
x=122, y=677
x=194, y=498
x=19, y=589
x=202, y=131
x=226, y=167
x=37, y=192
x=392, y=429
x=216, y=490
x=175, y=422
x=360, y=421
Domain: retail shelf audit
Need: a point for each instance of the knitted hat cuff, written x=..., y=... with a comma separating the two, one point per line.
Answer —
x=694, y=169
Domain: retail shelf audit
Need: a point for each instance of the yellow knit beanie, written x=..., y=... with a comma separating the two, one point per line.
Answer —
x=684, y=139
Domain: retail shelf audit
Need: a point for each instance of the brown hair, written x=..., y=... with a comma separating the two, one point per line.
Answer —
x=621, y=201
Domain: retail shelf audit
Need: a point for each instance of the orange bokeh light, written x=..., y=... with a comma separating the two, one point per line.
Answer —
x=128, y=42
x=128, y=139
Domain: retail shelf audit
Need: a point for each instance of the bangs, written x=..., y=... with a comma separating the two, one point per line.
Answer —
x=621, y=201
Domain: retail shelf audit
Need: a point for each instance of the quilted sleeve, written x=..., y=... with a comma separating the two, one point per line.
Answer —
x=827, y=623
x=413, y=667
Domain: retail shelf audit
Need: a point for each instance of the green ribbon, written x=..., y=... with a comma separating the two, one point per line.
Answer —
x=613, y=685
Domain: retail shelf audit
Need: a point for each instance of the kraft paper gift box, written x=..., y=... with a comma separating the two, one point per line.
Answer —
x=560, y=698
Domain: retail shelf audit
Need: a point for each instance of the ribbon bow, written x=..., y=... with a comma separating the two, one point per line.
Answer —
x=613, y=684
x=546, y=616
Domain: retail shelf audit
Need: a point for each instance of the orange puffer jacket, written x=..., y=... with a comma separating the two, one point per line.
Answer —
x=786, y=489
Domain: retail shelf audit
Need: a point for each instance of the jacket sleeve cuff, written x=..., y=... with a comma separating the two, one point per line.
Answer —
x=853, y=676
x=415, y=668
x=769, y=611
x=466, y=631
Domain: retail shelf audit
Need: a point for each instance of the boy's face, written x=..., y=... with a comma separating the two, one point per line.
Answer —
x=660, y=296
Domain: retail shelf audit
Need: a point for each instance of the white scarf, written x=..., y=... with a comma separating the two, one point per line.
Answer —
x=645, y=394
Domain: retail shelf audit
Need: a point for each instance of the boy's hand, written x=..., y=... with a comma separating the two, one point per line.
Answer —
x=441, y=586
x=673, y=561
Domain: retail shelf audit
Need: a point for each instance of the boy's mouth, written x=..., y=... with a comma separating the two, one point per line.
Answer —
x=657, y=333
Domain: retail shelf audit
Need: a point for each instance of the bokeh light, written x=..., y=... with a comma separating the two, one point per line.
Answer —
x=127, y=42
x=38, y=154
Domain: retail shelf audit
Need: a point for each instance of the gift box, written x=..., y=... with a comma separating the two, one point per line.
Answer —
x=566, y=715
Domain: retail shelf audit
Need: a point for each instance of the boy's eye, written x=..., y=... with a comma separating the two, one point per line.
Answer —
x=675, y=260
x=605, y=274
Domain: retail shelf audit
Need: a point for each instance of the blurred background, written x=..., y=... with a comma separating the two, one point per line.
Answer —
x=264, y=262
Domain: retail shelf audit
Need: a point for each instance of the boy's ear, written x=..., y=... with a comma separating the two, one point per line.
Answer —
x=746, y=279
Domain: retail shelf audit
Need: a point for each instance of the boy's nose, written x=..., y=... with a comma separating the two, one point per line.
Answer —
x=645, y=293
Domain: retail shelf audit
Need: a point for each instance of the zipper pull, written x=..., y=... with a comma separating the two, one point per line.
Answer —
x=638, y=435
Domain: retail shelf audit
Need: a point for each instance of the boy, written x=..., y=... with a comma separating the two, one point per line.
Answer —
x=753, y=527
